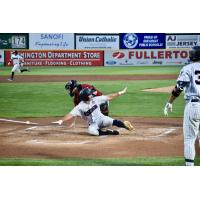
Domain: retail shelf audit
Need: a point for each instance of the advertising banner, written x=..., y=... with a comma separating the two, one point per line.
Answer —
x=182, y=41
x=142, y=41
x=97, y=41
x=60, y=58
x=145, y=57
x=14, y=40
x=1, y=57
x=51, y=41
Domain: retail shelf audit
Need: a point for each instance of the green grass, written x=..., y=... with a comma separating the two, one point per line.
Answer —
x=50, y=99
x=129, y=70
x=140, y=161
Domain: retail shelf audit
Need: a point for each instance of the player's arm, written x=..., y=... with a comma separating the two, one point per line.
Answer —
x=66, y=118
x=174, y=94
x=10, y=61
x=115, y=95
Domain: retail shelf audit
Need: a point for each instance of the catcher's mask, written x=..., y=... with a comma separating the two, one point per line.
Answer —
x=194, y=53
x=85, y=93
x=70, y=85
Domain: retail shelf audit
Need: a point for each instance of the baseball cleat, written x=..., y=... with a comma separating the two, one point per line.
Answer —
x=128, y=125
x=9, y=79
x=112, y=132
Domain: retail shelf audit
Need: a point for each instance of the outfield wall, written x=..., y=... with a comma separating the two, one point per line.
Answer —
x=99, y=49
x=102, y=58
x=146, y=57
x=59, y=58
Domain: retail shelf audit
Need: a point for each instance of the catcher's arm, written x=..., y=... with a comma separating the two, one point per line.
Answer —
x=114, y=95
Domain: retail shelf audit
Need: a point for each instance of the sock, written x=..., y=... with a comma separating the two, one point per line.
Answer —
x=12, y=75
x=108, y=132
x=103, y=132
x=118, y=123
x=24, y=70
x=189, y=162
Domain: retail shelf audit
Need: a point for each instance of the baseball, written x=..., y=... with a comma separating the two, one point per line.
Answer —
x=27, y=122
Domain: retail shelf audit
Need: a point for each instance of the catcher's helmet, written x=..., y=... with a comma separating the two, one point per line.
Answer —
x=70, y=84
x=85, y=93
x=194, y=53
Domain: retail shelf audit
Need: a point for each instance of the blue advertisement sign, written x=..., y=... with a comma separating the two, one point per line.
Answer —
x=142, y=41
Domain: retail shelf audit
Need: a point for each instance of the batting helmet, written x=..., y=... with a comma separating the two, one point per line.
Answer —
x=85, y=93
x=14, y=52
x=70, y=84
x=194, y=53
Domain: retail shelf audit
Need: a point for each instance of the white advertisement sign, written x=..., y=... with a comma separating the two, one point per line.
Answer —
x=95, y=41
x=182, y=41
x=51, y=41
x=1, y=57
x=146, y=57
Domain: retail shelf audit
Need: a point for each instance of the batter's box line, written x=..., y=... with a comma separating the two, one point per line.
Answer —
x=168, y=131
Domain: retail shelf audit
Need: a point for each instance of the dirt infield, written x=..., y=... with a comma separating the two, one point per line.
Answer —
x=58, y=78
x=152, y=137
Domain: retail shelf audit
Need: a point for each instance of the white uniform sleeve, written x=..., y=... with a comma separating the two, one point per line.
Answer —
x=12, y=57
x=184, y=75
x=76, y=112
x=101, y=99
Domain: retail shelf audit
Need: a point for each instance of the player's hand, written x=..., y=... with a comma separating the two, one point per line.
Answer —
x=8, y=63
x=167, y=108
x=123, y=91
x=59, y=122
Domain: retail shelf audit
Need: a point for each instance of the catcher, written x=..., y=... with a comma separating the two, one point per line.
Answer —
x=74, y=87
x=89, y=109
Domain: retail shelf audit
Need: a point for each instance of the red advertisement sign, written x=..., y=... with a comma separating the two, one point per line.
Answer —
x=60, y=58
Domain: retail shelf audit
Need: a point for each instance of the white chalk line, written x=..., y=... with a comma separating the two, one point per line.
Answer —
x=16, y=121
x=33, y=127
x=70, y=143
x=167, y=131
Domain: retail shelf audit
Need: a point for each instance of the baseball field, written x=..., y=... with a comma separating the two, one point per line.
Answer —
x=39, y=96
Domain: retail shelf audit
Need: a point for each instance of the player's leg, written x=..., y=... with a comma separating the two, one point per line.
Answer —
x=14, y=69
x=191, y=125
x=126, y=124
x=23, y=69
x=108, y=121
x=95, y=129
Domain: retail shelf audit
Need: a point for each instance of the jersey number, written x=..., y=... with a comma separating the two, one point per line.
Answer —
x=197, y=81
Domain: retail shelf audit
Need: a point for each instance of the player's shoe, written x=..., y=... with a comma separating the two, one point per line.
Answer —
x=9, y=79
x=112, y=132
x=128, y=125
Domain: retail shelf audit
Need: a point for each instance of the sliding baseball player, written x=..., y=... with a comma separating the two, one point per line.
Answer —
x=89, y=109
